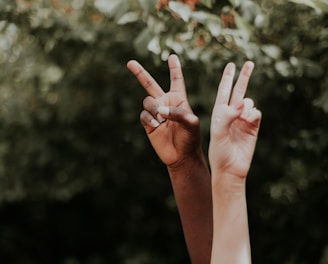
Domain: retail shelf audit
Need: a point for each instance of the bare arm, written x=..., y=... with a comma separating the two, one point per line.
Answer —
x=192, y=190
x=234, y=129
x=174, y=133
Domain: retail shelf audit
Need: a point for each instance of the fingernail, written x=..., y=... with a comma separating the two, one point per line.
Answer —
x=250, y=67
x=177, y=61
x=154, y=123
x=239, y=106
x=164, y=110
x=160, y=118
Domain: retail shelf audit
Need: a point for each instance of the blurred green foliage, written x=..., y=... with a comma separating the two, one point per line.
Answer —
x=79, y=182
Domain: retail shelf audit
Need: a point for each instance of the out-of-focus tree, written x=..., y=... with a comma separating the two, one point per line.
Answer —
x=79, y=182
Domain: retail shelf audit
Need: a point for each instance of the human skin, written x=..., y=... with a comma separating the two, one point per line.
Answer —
x=234, y=129
x=174, y=132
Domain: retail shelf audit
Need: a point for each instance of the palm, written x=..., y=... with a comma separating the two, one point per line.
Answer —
x=234, y=148
x=235, y=124
x=173, y=141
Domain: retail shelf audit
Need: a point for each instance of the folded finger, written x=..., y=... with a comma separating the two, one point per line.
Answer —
x=148, y=121
x=151, y=105
x=180, y=115
x=248, y=105
x=254, y=117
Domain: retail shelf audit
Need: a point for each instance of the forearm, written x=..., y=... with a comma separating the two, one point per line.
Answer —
x=231, y=235
x=191, y=184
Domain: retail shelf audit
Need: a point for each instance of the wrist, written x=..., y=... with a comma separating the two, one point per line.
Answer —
x=189, y=167
x=228, y=184
x=189, y=162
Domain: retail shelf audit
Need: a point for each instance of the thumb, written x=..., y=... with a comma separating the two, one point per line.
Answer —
x=223, y=116
x=180, y=115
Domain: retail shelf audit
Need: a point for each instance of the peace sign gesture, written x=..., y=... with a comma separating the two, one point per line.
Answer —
x=234, y=128
x=234, y=125
x=174, y=133
x=170, y=124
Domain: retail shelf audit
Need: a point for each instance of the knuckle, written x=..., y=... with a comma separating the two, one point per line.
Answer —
x=150, y=104
x=149, y=83
x=143, y=116
x=147, y=102
x=249, y=102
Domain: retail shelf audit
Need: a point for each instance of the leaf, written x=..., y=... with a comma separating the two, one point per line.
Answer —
x=142, y=41
x=212, y=22
x=181, y=10
x=148, y=5
x=321, y=5
x=200, y=16
x=235, y=3
x=242, y=24
x=174, y=45
x=113, y=8
x=322, y=101
x=284, y=68
x=108, y=7
x=154, y=45
x=272, y=51
x=53, y=74
x=128, y=18
x=207, y=3
x=214, y=27
x=312, y=69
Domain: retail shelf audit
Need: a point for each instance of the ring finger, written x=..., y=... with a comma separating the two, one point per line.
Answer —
x=151, y=105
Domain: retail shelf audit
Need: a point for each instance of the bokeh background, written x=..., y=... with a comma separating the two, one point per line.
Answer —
x=79, y=181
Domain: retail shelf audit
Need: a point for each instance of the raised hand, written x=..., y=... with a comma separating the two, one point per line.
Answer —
x=170, y=124
x=234, y=128
x=174, y=133
x=234, y=125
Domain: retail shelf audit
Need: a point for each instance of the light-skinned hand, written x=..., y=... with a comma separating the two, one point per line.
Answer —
x=234, y=125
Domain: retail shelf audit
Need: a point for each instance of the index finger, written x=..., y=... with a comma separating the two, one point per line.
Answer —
x=241, y=85
x=145, y=79
x=225, y=86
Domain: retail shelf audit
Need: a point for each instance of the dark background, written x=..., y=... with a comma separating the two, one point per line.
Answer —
x=79, y=181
